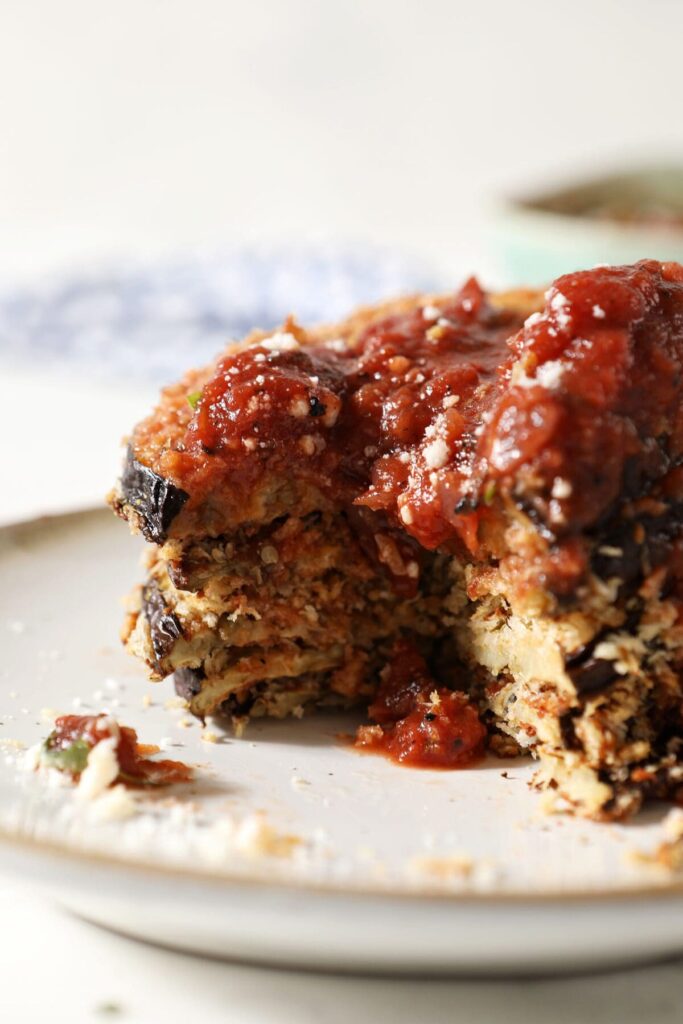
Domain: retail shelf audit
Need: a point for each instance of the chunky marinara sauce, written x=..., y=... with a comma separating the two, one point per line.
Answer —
x=437, y=423
x=388, y=424
x=74, y=736
x=430, y=414
x=419, y=724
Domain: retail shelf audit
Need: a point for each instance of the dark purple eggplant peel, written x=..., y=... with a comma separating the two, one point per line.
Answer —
x=155, y=501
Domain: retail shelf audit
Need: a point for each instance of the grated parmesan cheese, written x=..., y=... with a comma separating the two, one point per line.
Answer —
x=550, y=374
x=561, y=488
x=436, y=454
x=431, y=312
x=116, y=804
x=559, y=304
x=254, y=837
x=101, y=770
x=281, y=341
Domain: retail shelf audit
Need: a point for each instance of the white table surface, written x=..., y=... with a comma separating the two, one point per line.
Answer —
x=55, y=967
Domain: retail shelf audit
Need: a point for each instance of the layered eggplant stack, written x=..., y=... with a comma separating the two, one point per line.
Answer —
x=492, y=479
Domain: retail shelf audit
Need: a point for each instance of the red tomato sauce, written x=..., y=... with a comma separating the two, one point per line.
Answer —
x=419, y=724
x=423, y=419
x=134, y=767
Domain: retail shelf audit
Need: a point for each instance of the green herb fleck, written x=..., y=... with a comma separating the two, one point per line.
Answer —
x=193, y=399
x=489, y=492
x=72, y=759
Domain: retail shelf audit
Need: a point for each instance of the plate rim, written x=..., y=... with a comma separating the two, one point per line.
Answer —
x=19, y=842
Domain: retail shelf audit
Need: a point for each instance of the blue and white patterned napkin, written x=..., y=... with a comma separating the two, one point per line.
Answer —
x=149, y=323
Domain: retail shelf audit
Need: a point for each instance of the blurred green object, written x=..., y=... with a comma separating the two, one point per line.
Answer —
x=617, y=218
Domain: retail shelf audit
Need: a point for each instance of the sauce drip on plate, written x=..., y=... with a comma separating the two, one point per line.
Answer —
x=419, y=724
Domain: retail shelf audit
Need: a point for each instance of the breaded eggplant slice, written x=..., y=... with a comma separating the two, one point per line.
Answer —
x=535, y=443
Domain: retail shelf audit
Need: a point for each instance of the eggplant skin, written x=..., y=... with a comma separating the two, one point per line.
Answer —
x=592, y=675
x=188, y=682
x=156, y=501
x=164, y=628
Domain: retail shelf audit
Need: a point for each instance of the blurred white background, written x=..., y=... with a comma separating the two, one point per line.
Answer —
x=146, y=125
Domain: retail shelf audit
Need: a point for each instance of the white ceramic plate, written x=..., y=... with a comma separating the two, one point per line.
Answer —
x=391, y=869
